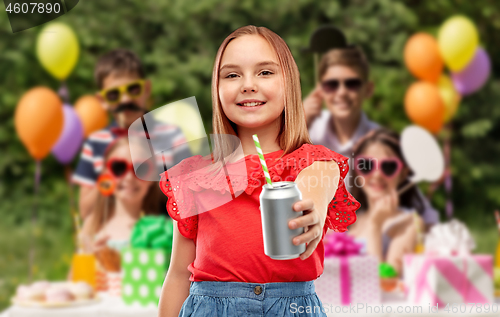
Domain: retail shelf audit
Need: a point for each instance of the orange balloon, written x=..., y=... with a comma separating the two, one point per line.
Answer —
x=91, y=113
x=424, y=106
x=422, y=57
x=39, y=120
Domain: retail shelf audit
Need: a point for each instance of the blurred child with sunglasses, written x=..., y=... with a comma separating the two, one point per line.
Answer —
x=124, y=93
x=344, y=86
x=111, y=222
x=385, y=220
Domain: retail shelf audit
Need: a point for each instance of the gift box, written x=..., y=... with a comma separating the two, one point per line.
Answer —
x=348, y=276
x=145, y=263
x=447, y=272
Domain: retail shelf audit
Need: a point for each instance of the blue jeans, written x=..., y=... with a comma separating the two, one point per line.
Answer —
x=228, y=299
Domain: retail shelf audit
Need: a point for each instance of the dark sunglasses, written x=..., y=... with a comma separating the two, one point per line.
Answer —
x=133, y=90
x=119, y=167
x=389, y=167
x=333, y=85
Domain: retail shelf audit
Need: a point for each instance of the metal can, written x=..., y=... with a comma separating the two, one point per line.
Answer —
x=276, y=210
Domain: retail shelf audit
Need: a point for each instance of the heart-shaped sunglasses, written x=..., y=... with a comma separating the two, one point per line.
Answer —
x=119, y=167
x=390, y=167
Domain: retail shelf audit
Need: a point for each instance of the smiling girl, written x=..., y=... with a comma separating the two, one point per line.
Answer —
x=385, y=223
x=218, y=265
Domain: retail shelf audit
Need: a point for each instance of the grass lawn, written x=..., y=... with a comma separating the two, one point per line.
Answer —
x=53, y=246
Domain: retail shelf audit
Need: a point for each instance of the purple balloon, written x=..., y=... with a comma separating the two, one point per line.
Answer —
x=474, y=75
x=71, y=136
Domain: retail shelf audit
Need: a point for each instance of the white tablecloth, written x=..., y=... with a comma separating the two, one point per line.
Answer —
x=106, y=307
x=391, y=303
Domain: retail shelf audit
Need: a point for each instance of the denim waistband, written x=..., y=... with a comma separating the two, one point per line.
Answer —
x=251, y=290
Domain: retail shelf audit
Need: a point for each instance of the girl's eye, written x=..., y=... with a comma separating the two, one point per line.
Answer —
x=231, y=76
x=266, y=72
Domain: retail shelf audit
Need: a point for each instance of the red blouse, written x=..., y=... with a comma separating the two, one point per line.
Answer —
x=228, y=238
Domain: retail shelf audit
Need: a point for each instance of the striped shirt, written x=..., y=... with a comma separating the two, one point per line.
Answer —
x=91, y=161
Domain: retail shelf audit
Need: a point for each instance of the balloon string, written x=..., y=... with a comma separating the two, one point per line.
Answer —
x=72, y=207
x=448, y=182
x=34, y=219
x=63, y=92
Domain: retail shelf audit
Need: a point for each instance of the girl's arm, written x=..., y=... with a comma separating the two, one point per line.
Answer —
x=378, y=212
x=318, y=184
x=176, y=286
x=404, y=241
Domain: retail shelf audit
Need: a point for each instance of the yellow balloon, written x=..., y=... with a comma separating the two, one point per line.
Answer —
x=458, y=40
x=451, y=98
x=57, y=49
x=187, y=117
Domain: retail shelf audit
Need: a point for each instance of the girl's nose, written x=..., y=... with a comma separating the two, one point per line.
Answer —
x=249, y=86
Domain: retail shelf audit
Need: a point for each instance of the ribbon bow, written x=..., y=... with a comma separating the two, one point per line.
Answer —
x=451, y=238
x=341, y=244
x=153, y=232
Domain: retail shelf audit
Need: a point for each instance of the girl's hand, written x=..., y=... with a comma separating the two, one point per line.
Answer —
x=313, y=104
x=99, y=243
x=383, y=208
x=313, y=221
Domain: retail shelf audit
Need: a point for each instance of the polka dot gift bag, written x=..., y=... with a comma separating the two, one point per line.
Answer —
x=146, y=262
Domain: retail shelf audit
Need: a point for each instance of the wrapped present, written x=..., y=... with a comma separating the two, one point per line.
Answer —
x=145, y=263
x=447, y=272
x=348, y=276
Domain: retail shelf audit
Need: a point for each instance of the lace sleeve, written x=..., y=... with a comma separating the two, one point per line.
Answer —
x=180, y=207
x=342, y=209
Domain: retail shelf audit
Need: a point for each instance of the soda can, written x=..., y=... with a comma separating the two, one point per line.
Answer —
x=276, y=211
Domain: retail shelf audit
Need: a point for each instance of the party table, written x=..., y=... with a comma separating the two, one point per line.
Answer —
x=392, y=305
x=107, y=306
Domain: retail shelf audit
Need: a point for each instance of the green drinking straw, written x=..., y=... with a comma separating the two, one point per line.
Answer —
x=262, y=160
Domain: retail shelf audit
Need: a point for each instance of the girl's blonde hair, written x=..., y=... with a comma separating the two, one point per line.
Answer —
x=293, y=115
x=150, y=203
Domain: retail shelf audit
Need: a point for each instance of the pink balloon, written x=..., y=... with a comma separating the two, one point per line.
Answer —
x=474, y=75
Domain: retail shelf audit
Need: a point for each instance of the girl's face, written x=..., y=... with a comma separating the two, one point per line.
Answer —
x=377, y=183
x=346, y=100
x=250, y=82
x=129, y=189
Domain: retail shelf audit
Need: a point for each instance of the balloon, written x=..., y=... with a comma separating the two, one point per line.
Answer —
x=186, y=115
x=92, y=115
x=422, y=57
x=71, y=137
x=424, y=106
x=458, y=41
x=422, y=153
x=39, y=120
x=474, y=75
x=57, y=49
x=450, y=97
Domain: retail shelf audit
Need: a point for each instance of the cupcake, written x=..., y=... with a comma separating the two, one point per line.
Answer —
x=82, y=291
x=388, y=277
x=28, y=293
x=58, y=294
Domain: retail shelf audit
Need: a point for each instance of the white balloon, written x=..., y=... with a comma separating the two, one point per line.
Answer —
x=422, y=153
